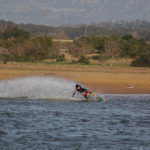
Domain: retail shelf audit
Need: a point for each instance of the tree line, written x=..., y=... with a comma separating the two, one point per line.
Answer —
x=108, y=47
x=19, y=45
x=138, y=28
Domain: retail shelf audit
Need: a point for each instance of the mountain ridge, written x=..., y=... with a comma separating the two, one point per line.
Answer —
x=73, y=12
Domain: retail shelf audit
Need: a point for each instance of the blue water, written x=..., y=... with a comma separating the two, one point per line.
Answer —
x=120, y=123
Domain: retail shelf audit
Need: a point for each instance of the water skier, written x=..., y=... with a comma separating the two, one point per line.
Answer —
x=86, y=93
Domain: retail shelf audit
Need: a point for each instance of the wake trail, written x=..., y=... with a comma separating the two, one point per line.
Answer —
x=37, y=87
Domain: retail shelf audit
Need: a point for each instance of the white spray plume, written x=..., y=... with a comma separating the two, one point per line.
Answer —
x=37, y=87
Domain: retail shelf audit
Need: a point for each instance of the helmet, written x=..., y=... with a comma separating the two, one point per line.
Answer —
x=77, y=85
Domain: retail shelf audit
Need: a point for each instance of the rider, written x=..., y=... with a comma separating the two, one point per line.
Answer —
x=85, y=92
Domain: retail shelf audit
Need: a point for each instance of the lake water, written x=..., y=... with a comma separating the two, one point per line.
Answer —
x=120, y=123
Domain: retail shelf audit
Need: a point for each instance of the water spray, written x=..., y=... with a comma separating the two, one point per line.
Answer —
x=37, y=87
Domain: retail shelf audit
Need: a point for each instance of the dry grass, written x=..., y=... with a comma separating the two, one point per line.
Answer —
x=119, y=62
x=63, y=41
x=105, y=79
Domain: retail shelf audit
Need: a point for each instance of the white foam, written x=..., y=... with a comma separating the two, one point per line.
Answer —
x=37, y=87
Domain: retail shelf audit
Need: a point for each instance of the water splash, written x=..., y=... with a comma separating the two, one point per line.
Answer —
x=37, y=87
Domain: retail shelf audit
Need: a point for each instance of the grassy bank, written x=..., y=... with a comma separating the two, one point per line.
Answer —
x=107, y=79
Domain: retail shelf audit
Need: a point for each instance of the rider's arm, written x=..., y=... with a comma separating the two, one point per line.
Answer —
x=74, y=93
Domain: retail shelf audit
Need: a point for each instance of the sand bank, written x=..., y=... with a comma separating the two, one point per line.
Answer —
x=113, y=80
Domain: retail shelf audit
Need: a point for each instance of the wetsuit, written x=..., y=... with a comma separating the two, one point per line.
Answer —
x=86, y=93
x=83, y=91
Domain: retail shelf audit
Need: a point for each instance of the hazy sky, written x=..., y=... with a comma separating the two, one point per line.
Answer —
x=58, y=12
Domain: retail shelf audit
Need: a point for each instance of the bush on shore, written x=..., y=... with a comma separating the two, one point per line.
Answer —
x=60, y=58
x=19, y=45
x=84, y=60
x=142, y=61
x=119, y=47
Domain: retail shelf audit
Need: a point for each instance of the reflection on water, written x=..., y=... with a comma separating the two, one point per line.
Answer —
x=122, y=122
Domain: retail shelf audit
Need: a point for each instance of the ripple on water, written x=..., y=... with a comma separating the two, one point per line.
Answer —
x=118, y=123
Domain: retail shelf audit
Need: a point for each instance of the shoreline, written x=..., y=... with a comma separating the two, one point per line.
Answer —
x=107, y=80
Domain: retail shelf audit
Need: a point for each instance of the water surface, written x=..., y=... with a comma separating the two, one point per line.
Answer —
x=122, y=122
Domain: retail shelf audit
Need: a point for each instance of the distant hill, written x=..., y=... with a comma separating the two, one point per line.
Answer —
x=60, y=12
x=138, y=28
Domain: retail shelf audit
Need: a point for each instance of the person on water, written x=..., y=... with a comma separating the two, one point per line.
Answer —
x=86, y=93
x=81, y=90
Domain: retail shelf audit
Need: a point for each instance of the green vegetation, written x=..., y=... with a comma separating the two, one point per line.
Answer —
x=116, y=47
x=142, y=61
x=60, y=58
x=84, y=60
x=15, y=33
x=19, y=45
x=138, y=28
x=101, y=57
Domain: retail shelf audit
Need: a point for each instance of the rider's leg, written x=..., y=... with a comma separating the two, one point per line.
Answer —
x=85, y=95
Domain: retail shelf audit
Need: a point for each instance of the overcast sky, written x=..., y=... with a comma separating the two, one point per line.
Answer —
x=56, y=12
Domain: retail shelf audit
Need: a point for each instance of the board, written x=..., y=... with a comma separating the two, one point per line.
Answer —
x=51, y=99
x=95, y=97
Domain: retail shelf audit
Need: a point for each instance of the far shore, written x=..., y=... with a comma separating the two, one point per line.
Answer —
x=107, y=80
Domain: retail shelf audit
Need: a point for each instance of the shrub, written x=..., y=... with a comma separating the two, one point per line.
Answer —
x=101, y=57
x=80, y=47
x=60, y=58
x=4, y=58
x=35, y=49
x=96, y=57
x=84, y=60
x=104, y=57
x=16, y=33
x=127, y=37
x=142, y=61
x=98, y=43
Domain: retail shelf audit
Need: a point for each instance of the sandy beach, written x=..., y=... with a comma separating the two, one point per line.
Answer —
x=113, y=80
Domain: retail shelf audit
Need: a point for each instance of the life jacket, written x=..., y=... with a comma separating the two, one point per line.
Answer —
x=82, y=90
